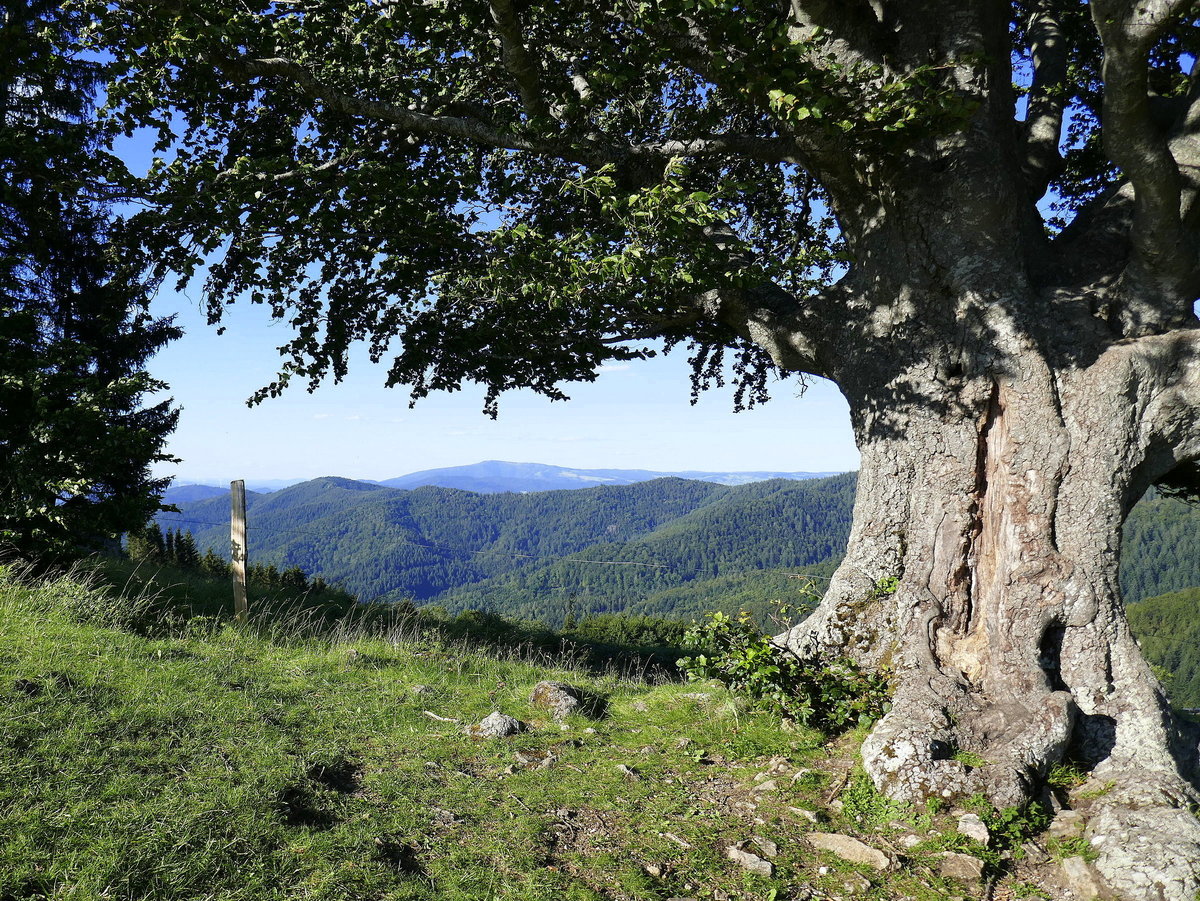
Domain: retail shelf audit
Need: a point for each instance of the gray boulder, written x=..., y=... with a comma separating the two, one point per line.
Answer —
x=496, y=725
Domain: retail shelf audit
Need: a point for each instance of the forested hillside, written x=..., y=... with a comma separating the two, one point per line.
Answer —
x=1162, y=548
x=1168, y=629
x=669, y=547
x=534, y=551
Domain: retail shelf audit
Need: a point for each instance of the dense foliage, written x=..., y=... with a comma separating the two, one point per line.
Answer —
x=76, y=441
x=831, y=696
x=1161, y=548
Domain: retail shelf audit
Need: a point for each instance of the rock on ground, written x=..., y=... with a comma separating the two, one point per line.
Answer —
x=963, y=867
x=562, y=699
x=496, y=725
x=558, y=698
x=850, y=849
x=970, y=825
x=750, y=862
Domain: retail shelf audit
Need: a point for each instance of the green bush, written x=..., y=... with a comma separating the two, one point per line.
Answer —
x=832, y=696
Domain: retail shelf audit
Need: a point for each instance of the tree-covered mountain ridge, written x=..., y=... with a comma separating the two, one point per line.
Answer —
x=670, y=547
x=496, y=476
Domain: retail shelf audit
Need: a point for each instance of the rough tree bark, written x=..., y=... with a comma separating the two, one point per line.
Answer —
x=1001, y=451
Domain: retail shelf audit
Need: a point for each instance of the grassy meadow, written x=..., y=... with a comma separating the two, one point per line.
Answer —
x=151, y=754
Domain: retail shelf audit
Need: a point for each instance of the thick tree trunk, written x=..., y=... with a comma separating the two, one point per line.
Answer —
x=997, y=501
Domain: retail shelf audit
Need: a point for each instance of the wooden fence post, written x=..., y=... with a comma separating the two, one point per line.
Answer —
x=237, y=547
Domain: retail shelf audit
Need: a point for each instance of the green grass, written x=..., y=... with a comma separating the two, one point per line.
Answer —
x=186, y=758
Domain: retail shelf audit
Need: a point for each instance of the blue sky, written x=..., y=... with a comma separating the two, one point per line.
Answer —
x=636, y=416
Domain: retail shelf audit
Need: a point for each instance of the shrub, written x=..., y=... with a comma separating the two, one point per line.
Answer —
x=833, y=696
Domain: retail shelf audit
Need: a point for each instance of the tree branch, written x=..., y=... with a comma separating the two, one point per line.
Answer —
x=589, y=152
x=852, y=22
x=412, y=121
x=1128, y=31
x=798, y=333
x=808, y=145
x=517, y=58
x=1047, y=99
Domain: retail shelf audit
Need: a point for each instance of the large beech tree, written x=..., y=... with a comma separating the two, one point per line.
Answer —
x=979, y=219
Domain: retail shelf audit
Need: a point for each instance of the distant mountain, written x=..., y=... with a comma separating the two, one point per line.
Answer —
x=186, y=494
x=494, y=476
x=459, y=548
x=1168, y=629
x=262, y=486
x=670, y=547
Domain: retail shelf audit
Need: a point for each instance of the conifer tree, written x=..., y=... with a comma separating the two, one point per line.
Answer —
x=76, y=438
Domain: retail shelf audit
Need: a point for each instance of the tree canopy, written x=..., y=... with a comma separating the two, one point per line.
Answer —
x=560, y=184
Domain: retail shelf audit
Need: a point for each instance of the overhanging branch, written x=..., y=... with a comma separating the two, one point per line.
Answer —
x=590, y=152
x=1128, y=31
x=1047, y=99
x=517, y=59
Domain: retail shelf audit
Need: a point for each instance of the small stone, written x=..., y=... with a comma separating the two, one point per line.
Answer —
x=421, y=690
x=857, y=884
x=496, y=725
x=671, y=836
x=910, y=841
x=683, y=743
x=1034, y=853
x=352, y=654
x=850, y=849
x=822, y=871
x=653, y=869
x=769, y=785
x=1051, y=799
x=810, y=815
x=750, y=862
x=559, y=698
x=778, y=765
x=627, y=771
x=963, y=867
x=801, y=774
x=1081, y=879
x=970, y=825
x=768, y=847
x=1066, y=824
x=640, y=706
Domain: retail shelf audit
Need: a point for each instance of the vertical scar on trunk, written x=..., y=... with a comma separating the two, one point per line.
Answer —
x=965, y=640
